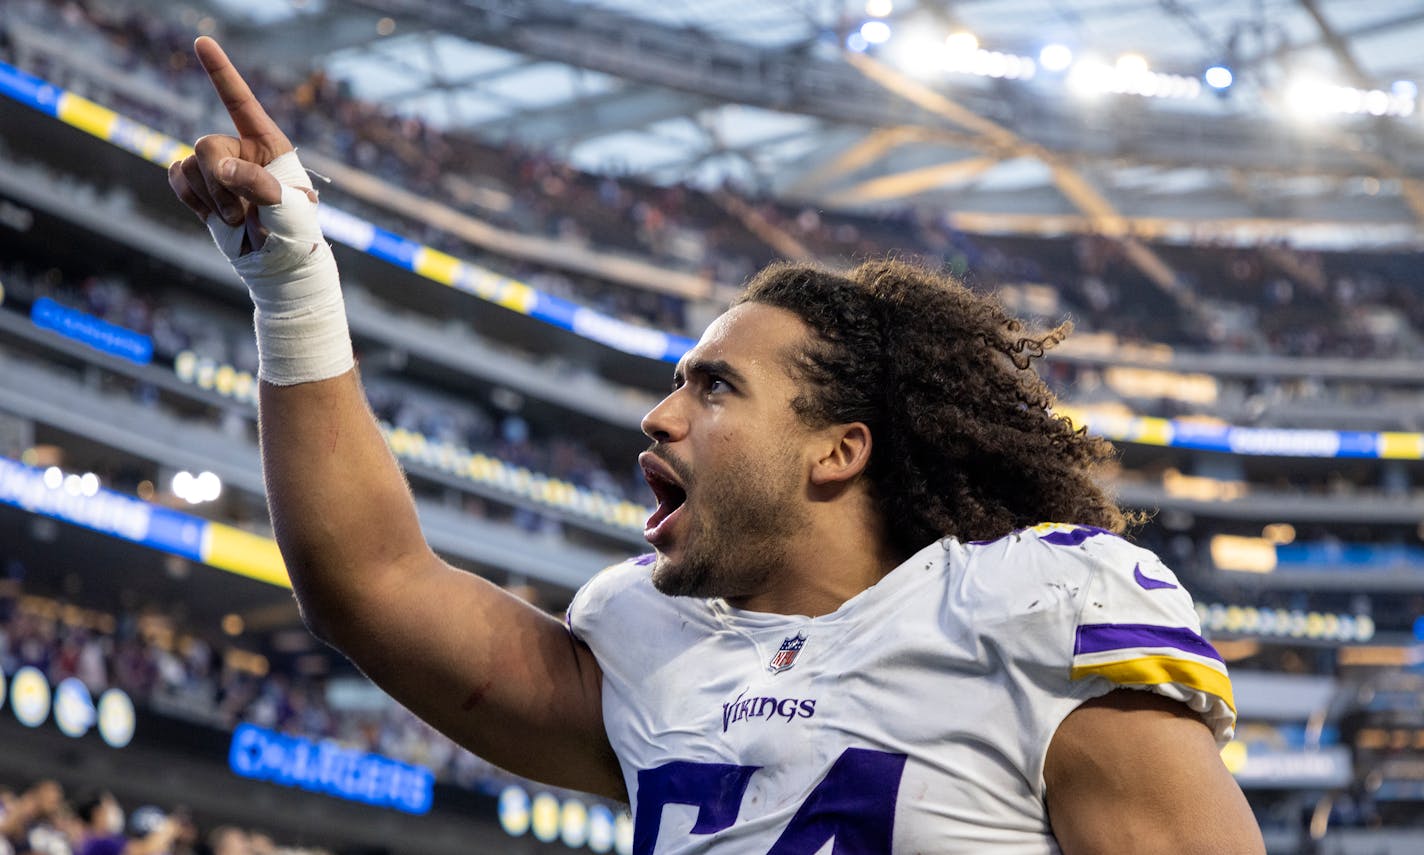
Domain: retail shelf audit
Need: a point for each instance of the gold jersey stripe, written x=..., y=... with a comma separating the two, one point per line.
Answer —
x=1156, y=670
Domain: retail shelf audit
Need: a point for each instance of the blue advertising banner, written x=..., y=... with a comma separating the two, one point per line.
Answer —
x=87, y=329
x=325, y=767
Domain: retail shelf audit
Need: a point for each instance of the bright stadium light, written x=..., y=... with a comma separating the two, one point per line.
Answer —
x=856, y=42
x=196, y=489
x=917, y=52
x=54, y=478
x=997, y=65
x=1309, y=98
x=1129, y=76
x=1055, y=57
x=961, y=44
x=1132, y=63
x=1219, y=77
x=89, y=484
x=1303, y=98
x=209, y=486
x=1279, y=533
x=875, y=32
x=1376, y=102
x=879, y=8
x=1180, y=86
x=1405, y=96
x=961, y=54
x=1090, y=77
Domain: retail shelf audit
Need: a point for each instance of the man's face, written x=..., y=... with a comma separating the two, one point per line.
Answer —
x=728, y=462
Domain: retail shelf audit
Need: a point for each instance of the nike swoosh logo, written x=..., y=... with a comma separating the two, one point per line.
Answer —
x=1149, y=583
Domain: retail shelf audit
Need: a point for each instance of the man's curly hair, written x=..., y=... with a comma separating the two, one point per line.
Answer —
x=965, y=443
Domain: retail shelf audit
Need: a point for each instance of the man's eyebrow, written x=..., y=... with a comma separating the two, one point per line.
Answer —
x=709, y=367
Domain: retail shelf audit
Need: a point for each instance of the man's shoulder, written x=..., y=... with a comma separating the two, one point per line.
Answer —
x=1035, y=572
x=633, y=574
x=1053, y=549
x=1049, y=548
x=633, y=629
x=1061, y=536
x=621, y=598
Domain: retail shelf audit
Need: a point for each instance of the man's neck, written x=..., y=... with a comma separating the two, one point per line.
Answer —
x=826, y=566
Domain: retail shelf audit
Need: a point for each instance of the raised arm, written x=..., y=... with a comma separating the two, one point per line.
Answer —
x=495, y=674
x=1135, y=772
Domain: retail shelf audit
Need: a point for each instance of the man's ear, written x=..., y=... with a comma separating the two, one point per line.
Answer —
x=844, y=454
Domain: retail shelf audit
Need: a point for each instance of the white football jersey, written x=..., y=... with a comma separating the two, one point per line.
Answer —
x=913, y=719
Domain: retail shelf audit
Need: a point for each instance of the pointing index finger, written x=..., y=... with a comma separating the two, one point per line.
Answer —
x=251, y=121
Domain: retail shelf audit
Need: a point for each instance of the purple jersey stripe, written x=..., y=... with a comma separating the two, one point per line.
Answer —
x=1075, y=536
x=1101, y=637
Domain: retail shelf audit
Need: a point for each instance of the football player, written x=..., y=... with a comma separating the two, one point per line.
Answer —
x=855, y=633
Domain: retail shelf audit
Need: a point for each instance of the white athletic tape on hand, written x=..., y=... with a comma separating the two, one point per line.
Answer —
x=302, y=335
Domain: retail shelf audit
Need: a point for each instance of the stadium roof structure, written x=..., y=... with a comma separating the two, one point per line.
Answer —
x=949, y=105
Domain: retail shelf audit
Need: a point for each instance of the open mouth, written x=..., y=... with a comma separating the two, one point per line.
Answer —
x=670, y=495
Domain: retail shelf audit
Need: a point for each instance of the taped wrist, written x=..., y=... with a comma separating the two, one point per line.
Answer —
x=300, y=316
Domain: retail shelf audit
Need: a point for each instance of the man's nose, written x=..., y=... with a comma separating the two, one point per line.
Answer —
x=665, y=422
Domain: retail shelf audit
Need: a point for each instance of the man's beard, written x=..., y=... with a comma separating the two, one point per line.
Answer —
x=736, y=538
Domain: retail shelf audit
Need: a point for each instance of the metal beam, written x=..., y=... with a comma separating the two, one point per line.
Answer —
x=912, y=182
x=1412, y=189
x=571, y=122
x=1239, y=230
x=303, y=42
x=430, y=76
x=1193, y=22
x=742, y=151
x=1071, y=182
x=689, y=61
x=717, y=71
x=868, y=149
x=1339, y=47
x=1374, y=28
x=464, y=81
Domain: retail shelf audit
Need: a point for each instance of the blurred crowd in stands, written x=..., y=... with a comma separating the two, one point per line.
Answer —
x=489, y=425
x=177, y=324
x=169, y=669
x=42, y=819
x=1268, y=299
x=508, y=437
x=173, y=325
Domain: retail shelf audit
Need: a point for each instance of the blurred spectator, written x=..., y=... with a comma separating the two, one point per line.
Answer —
x=178, y=673
x=34, y=819
x=103, y=829
x=40, y=822
x=229, y=840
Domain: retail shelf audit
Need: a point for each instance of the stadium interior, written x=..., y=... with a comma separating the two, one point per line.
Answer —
x=537, y=205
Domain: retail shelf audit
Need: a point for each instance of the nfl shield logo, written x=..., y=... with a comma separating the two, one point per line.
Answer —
x=786, y=656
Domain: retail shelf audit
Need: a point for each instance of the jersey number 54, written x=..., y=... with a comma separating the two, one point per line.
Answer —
x=854, y=803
